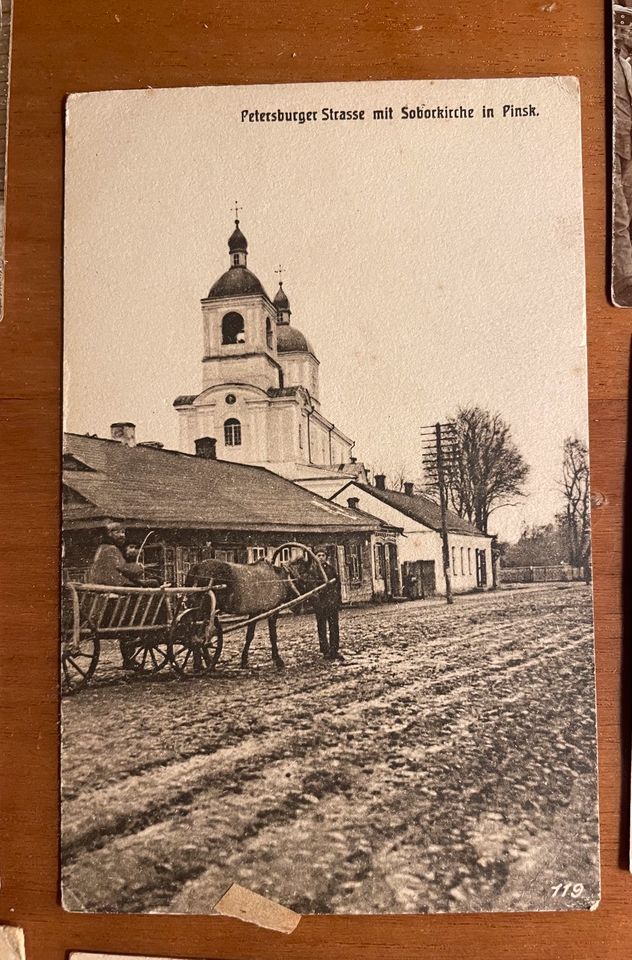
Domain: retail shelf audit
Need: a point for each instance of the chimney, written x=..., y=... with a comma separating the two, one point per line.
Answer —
x=205, y=447
x=353, y=502
x=408, y=488
x=124, y=432
x=380, y=481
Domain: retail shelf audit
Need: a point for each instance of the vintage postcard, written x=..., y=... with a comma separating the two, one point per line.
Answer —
x=327, y=618
x=11, y=943
x=621, y=287
x=113, y=956
x=5, y=58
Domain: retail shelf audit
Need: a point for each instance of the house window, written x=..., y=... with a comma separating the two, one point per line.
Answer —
x=269, y=337
x=300, y=435
x=232, y=433
x=454, y=561
x=462, y=561
x=185, y=558
x=285, y=555
x=469, y=560
x=229, y=556
x=235, y=259
x=233, y=328
x=170, y=565
x=258, y=553
x=354, y=562
x=379, y=561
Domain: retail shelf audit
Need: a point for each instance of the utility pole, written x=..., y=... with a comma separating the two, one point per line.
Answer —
x=438, y=445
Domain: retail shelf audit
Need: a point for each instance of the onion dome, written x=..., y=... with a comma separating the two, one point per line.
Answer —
x=237, y=243
x=282, y=305
x=238, y=281
x=281, y=301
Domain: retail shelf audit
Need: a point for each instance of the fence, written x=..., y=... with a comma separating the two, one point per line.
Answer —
x=560, y=572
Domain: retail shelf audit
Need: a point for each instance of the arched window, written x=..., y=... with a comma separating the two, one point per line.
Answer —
x=232, y=433
x=269, y=339
x=233, y=328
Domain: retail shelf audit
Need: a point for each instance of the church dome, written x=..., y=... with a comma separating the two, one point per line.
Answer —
x=290, y=339
x=237, y=243
x=237, y=282
x=281, y=301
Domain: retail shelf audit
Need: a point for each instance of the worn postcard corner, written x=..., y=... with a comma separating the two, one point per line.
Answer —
x=12, y=943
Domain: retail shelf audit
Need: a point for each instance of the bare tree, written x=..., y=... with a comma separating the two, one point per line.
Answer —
x=575, y=519
x=483, y=468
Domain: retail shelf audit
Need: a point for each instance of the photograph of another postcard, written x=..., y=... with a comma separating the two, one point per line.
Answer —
x=621, y=285
x=114, y=956
x=327, y=610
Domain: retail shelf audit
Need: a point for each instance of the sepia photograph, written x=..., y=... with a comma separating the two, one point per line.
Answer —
x=326, y=581
x=112, y=956
x=621, y=289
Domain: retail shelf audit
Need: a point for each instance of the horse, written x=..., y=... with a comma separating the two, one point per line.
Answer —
x=250, y=589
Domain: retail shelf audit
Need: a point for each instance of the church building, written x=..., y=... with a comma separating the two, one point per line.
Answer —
x=260, y=382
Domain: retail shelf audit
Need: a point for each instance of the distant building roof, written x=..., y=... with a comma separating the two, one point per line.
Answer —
x=420, y=507
x=168, y=488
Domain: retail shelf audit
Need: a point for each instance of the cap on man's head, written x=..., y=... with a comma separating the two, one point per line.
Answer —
x=114, y=525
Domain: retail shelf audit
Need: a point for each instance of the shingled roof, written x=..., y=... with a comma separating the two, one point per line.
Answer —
x=168, y=488
x=423, y=509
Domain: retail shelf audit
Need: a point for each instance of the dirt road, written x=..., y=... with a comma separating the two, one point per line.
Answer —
x=446, y=766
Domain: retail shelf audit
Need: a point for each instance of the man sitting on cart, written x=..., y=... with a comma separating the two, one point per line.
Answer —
x=109, y=566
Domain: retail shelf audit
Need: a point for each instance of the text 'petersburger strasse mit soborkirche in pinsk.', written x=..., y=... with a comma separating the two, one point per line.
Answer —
x=421, y=112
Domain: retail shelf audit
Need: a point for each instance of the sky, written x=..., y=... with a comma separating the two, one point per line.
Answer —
x=431, y=265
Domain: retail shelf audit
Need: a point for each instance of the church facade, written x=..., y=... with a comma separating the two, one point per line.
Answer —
x=260, y=381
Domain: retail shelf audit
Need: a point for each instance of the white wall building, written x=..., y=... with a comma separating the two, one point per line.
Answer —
x=420, y=546
x=260, y=381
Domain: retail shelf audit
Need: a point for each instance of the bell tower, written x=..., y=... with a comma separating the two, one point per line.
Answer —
x=239, y=325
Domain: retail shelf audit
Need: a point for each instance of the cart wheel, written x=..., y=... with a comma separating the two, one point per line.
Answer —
x=78, y=662
x=195, y=645
x=144, y=654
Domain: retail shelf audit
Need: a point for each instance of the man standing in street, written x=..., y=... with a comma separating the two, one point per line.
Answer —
x=326, y=604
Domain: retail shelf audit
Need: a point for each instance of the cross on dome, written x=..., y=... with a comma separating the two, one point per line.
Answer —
x=281, y=301
x=237, y=244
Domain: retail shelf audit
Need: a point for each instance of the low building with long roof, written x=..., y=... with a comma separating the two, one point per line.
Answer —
x=420, y=549
x=193, y=506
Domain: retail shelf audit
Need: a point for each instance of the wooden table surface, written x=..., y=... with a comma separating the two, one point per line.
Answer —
x=99, y=44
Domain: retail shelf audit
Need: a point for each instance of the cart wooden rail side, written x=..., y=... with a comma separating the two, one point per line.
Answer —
x=156, y=627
